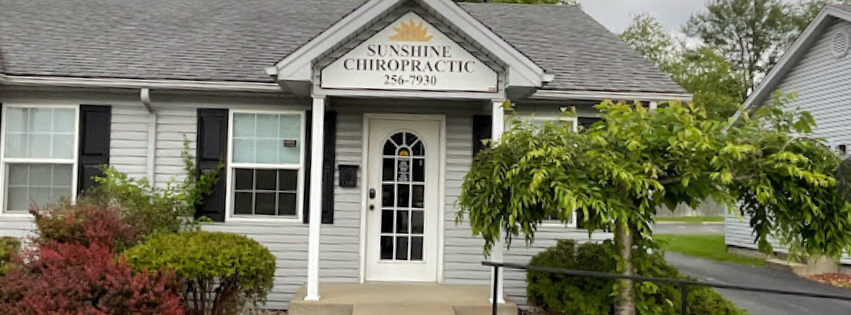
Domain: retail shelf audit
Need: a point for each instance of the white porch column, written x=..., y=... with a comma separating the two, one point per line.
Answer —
x=497, y=128
x=316, y=153
x=653, y=105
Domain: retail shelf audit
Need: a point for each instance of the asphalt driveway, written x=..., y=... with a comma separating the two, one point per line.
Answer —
x=760, y=303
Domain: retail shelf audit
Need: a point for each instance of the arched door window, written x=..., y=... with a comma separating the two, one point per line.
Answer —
x=403, y=197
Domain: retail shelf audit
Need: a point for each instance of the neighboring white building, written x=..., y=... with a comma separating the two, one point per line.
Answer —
x=818, y=68
x=346, y=127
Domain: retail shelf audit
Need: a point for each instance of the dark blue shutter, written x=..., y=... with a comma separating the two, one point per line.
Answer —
x=482, y=125
x=329, y=142
x=211, y=150
x=95, y=128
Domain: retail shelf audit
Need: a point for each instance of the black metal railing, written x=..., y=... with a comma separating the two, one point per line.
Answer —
x=683, y=285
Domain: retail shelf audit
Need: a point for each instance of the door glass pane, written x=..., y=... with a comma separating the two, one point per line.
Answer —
x=401, y=248
x=403, y=171
x=402, y=195
x=402, y=222
x=417, y=222
x=387, y=169
x=387, y=221
x=387, y=195
x=416, y=248
x=418, y=170
x=418, y=197
x=386, y=247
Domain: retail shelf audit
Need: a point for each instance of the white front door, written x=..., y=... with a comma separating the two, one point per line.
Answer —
x=402, y=199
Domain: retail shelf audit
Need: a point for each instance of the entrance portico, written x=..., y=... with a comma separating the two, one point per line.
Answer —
x=412, y=53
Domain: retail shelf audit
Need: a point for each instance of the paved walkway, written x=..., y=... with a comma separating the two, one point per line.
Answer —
x=760, y=303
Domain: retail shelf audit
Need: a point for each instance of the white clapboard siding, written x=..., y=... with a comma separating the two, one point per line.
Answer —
x=821, y=81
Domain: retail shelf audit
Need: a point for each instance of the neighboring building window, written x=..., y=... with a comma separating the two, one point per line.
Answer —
x=266, y=164
x=39, y=153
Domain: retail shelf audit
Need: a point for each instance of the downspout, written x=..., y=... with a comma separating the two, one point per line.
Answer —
x=145, y=96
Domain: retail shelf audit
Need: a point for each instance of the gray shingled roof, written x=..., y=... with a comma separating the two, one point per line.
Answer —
x=230, y=40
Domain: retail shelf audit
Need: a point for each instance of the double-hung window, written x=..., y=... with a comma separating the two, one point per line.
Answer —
x=266, y=166
x=39, y=155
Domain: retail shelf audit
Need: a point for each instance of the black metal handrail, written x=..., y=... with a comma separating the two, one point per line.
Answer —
x=682, y=284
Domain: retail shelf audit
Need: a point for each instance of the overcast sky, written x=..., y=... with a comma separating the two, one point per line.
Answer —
x=617, y=14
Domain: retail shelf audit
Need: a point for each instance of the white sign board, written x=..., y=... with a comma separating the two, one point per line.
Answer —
x=410, y=54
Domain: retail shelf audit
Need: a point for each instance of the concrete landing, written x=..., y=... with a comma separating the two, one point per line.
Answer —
x=398, y=298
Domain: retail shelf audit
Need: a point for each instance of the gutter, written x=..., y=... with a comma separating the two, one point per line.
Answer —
x=184, y=85
x=595, y=95
x=145, y=98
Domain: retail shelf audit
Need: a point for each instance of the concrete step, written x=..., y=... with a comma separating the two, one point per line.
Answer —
x=407, y=309
x=398, y=298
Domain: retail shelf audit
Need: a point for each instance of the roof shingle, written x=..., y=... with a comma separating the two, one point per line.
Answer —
x=226, y=40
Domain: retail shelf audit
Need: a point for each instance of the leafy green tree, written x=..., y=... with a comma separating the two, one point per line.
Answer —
x=710, y=77
x=753, y=34
x=621, y=170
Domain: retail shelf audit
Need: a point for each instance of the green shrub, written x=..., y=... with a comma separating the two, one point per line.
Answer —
x=151, y=209
x=563, y=294
x=8, y=247
x=221, y=271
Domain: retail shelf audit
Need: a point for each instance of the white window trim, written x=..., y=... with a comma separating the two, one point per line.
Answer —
x=3, y=160
x=229, y=169
x=575, y=120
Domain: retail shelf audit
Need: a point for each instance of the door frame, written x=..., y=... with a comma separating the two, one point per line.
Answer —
x=441, y=200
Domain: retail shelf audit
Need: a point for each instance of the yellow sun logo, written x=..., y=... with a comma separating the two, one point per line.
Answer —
x=411, y=32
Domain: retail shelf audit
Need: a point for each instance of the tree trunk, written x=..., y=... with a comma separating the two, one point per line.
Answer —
x=625, y=300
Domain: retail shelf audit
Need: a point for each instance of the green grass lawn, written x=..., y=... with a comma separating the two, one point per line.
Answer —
x=704, y=246
x=691, y=220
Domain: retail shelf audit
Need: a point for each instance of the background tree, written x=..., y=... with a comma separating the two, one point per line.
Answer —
x=710, y=77
x=569, y=2
x=621, y=170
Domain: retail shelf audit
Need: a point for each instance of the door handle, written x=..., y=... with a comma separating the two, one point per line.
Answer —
x=372, y=193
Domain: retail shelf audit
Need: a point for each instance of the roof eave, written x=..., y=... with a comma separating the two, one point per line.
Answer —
x=608, y=95
x=120, y=83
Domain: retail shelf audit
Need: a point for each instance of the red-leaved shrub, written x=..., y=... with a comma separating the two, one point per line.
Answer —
x=75, y=279
x=84, y=225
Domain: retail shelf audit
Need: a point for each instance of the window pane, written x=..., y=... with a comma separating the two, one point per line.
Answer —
x=244, y=179
x=287, y=180
x=286, y=204
x=38, y=146
x=264, y=204
x=242, y=203
x=40, y=119
x=417, y=222
x=37, y=183
x=17, y=199
x=243, y=150
x=40, y=133
x=266, y=179
x=16, y=119
x=259, y=138
x=15, y=144
x=267, y=126
x=63, y=121
x=40, y=175
x=267, y=151
x=243, y=125
x=63, y=146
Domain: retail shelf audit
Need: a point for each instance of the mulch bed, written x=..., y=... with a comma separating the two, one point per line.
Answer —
x=835, y=279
